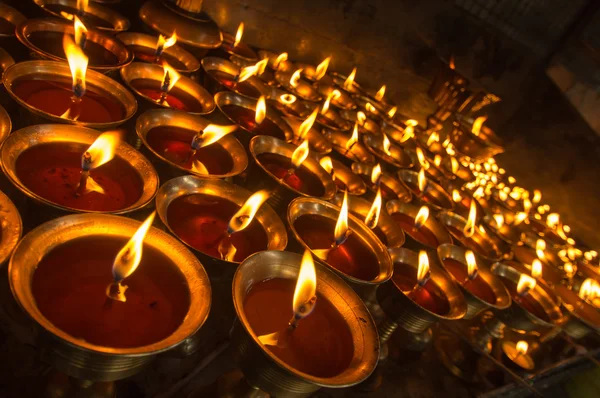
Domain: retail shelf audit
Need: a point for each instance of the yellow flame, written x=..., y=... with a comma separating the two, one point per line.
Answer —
x=569, y=269
x=566, y=229
x=244, y=216
x=306, y=286
x=519, y=218
x=164, y=43
x=422, y=161
x=526, y=283
x=212, y=133
x=392, y=112
x=326, y=164
x=471, y=264
x=422, y=180
x=294, y=80
x=261, y=110
x=249, y=71
x=334, y=94
x=512, y=179
x=537, y=196
x=469, y=229
x=82, y=5
x=454, y=165
x=353, y=139
x=129, y=257
x=588, y=289
x=437, y=160
x=341, y=226
x=477, y=124
x=376, y=174
x=386, y=145
x=350, y=80
x=300, y=154
x=361, y=117
x=103, y=149
x=199, y=167
x=280, y=58
x=451, y=62
x=502, y=196
x=433, y=137
x=526, y=205
x=239, y=34
x=536, y=269
x=422, y=216
x=78, y=63
x=380, y=93
x=522, y=347
x=423, y=269
x=369, y=107
x=80, y=30
x=372, y=217
x=456, y=196
x=307, y=124
x=540, y=246
x=322, y=68
x=552, y=220
x=171, y=76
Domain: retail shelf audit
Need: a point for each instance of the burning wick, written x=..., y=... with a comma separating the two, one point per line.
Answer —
x=350, y=80
x=163, y=43
x=300, y=154
x=322, y=68
x=333, y=95
x=80, y=32
x=379, y=95
x=353, y=139
x=372, y=217
x=127, y=260
x=327, y=164
x=239, y=34
x=469, y=229
x=249, y=71
x=376, y=175
x=78, y=63
x=525, y=284
x=423, y=273
x=307, y=124
x=100, y=152
x=305, y=299
x=280, y=58
x=521, y=348
x=170, y=79
x=261, y=110
x=239, y=222
x=341, y=232
x=472, y=270
x=422, y=217
x=209, y=135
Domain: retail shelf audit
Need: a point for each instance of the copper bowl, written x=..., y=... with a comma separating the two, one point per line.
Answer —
x=11, y=16
x=57, y=29
x=41, y=134
x=475, y=305
x=111, y=20
x=11, y=227
x=170, y=118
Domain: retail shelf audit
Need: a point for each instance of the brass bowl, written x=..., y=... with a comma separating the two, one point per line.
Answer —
x=365, y=170
x=583, y=318
x=225, y=50
x=99, y=38
x=6, y=60
x=386, y=227
x=479, y=147
x=491, y=248
x=170, y=118
x=403, y=310
x=284, y=66
x=398, y=159
x=344, y=101
x=12, y=16
x=5, y=125
x=196, y=30
x=74, y=356
x=116, y=22
x=11, y=227
x=299, y=108
x=443, y=201
x=475, y=305
x=140, y=70
x=339, y=79
x=304, y=89
x=358, y=152
x=369, y=126
x=95, y=82
x=306, y=206
x=315, y=138
x=225, y=98
x=210, y=64
x=41, y=134
x=354, y=184
x=175, y=51
x=264, y=370
x=190, y=185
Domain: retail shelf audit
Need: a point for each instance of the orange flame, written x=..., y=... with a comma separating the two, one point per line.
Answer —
x=170, y=78
x=261, y=110
x=422, y=180
x=437, y=160
x=129, y=257
x=300, y=154
x=536, y=269
x=307, y=124
x=353, y=139
x=392, y=112
x=380, y=93
x=239, y=34
x=361, y=117
x=537, y=196
x=164, y=43
x=588, y=289
x=469, y=229
x=287, y=99
x=211, y=134
x=80, y=31
x=386, y=144
x=327, y=164
x=376, y=174
x=456, y=196
x=369, y=107
x=422, y=216
x=350, y=80
x=294, y=80
x=280, y=58
x=540, y=246
x=249, y=71
x=244, y=216
x=82, y=5
x=409, y=130
x=525, y=284
x=322, y=68
x=334, y=94
x=422, y=161
x=451, y=62
x=372, y=217
x=305, y=292
x=553, y=220
x=341, y=226
x=423, y=270
x=477, y=124
x=522, y=347
x=101, y=151
x=199, y=167
x=433, y=137
x=78, y=63
x=471, y=264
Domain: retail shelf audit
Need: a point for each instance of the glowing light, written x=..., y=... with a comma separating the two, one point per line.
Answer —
x=477, y=124
x=162, y=43
x=376, y=174
x=437, y=160
x=540, y=246
x=280, y=58
x=300, y=154
x=392, y=112
x=350, y=80
x=433, y=138
x=469, y=228
x=305, y=293
x=327, y=164
x=525, y=284
x=519, y=218
x=422, y=161
x=386, y=144
x=244, y=216
x=372, y=217
x=78, y=63
x=322, y=68
x=239, y=34
x=80, y=31
x=261, y=110
x=170, y=78
x=451, y=63
x=553, y=220
x=353, y=139
x=422, y=181
x=422, y=216
x=287, y=99
x=101, y=151
x=295, y=79
x=454, y=165
x=211, y=134
x=341, y=226
x=471, y=264
x=536, y=269
x=334, y=94
x=380, y=93
x=522, y=347
x=456, y=196
x=423, y=271
x=537, y=196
